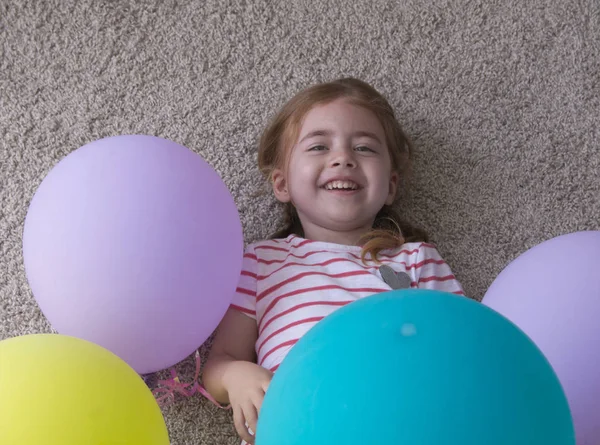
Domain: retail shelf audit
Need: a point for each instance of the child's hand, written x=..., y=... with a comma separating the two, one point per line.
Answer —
x=246, y=385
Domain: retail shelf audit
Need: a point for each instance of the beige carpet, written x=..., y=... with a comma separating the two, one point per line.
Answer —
x=502, y=99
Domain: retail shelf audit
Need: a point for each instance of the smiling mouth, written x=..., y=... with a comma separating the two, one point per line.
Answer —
x=341, y=185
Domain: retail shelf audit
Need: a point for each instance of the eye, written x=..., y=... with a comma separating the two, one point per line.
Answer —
x=317, y=148
x=364, y=148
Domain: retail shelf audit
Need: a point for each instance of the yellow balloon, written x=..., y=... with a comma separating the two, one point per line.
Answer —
x=60, y=390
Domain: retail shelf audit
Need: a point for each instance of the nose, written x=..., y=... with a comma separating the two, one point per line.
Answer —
x=342, y=158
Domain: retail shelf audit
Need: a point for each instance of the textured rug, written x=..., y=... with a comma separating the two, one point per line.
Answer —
x=501, y=98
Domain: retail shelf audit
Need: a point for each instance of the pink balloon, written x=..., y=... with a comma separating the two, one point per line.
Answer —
x=134, y=243
x=552, y=292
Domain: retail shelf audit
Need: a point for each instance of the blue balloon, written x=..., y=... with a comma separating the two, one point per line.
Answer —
x=415, y=367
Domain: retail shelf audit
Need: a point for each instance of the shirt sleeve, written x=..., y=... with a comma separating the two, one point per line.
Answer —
x=244, y=299
x=432, y=272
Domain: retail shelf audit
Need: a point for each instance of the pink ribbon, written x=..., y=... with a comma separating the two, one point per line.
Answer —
x=167, y=389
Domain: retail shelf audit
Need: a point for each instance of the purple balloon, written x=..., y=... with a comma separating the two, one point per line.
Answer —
x=134, y=243
x=552, y=292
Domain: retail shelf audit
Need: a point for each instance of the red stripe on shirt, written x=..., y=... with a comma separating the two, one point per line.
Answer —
x=242, y=309
x=282, y=260
x=360, y=264
x=301, y=275
x=247, y=273
x=262, y=326
x=244, y=291
x=322, y=264
x=303, y=243
x=279, y=249
x=320, y=288
x=313, y=252
x=279, y=346
x=436, y=278
x=395, y=254
x=424, y=263
x=288, y=326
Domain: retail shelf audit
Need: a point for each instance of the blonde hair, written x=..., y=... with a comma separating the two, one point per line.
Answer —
x=276, y=143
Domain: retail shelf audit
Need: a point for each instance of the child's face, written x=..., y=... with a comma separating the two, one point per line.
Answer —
x=339, y=174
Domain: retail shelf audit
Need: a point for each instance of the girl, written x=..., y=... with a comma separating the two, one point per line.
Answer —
x=336, y=157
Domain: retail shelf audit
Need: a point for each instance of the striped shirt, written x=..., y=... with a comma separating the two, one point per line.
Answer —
x=288, y=285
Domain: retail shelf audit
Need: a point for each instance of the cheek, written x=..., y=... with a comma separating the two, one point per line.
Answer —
x=382, y=179
x=304, y=171
x=296, y=179
x=378, y=171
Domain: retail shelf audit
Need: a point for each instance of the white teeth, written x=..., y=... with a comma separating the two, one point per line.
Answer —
x=348, y=185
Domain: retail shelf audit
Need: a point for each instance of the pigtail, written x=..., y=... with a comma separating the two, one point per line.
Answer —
x=389, y=232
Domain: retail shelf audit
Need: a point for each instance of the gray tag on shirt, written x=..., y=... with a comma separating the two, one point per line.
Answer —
x=395, y=280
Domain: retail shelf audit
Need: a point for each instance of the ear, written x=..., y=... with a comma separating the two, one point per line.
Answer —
x=280, y=188
x=393, y=188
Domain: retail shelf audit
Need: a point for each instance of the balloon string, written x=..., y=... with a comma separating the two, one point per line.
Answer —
x=168, y=389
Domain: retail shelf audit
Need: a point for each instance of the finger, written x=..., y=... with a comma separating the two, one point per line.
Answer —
x=257, y=400
x=240, y=425
x=265, y=384
x=251, y=416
